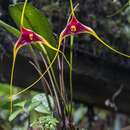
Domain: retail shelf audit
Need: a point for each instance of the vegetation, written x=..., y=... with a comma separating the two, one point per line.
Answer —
x=53, y=109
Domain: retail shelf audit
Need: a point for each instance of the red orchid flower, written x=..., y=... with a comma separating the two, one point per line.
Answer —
x=27, y=37
x=75, y=27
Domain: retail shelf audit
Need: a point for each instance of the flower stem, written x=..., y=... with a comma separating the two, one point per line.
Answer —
x=108, y=46
x=72, y=8
x=71, y=65
x=23, y=12
x=11, y=79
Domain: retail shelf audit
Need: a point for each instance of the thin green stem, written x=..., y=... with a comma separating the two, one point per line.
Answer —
x=11, y=79
x=62, y=89
x=9, y=28
x=72, y=8
x=69, y=18
x=71, y=65
x=23, y=12
x=51, y=68
x=52, y=77
x=60, y=77
x=39, y=71
x=62, y=72
x=11, y=87
x=53, y=86
x=14, y=59
x=38, y=68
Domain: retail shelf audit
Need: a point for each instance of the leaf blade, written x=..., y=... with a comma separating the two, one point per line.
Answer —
x=35, y=20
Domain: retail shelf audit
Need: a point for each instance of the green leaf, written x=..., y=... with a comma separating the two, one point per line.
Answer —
x=79, y=113
x=35, y=20
x=9, y=28
x=43, y=106
x=48, y=122
x=42, y=109
x=4, y=94
x=33, y=105
x=4, y=89
x=20, y=104
x=15, y=114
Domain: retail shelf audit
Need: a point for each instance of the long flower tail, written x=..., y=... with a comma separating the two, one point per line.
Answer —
x=108, y=46
x=15, y=50
x=11, y=79
x=55, y=49
x=27, y=88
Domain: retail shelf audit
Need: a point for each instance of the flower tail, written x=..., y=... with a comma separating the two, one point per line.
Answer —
x=11, y=79
x=15, y=50
x=50, y=65
x=55, y=49
x=108, y=46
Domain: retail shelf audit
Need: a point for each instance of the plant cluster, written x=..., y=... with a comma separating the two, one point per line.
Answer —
x=55, y=106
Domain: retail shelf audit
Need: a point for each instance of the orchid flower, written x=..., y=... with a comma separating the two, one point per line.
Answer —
x=27, y=37
x=74, y=27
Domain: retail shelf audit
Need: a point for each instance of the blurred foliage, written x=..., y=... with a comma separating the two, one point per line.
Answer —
x=33, y=111
x=46, y=122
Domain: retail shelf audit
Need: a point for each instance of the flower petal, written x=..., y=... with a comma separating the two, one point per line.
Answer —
x=75, y=27
x=27, y=37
